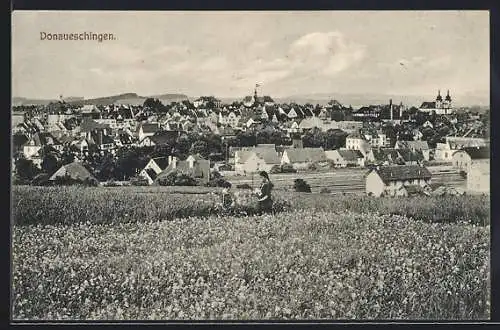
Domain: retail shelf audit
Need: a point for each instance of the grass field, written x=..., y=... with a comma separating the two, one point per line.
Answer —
x=107, y=253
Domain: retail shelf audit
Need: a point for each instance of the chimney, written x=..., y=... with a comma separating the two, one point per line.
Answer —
x=390, y=107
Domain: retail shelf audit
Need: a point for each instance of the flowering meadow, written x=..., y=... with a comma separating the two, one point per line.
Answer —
x=313, y=261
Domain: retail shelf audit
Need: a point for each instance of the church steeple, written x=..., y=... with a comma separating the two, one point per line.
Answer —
x=439, y=97
x=448, y=97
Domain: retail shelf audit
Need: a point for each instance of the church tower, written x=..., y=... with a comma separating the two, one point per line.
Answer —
x=448, y=99
x=439, y=100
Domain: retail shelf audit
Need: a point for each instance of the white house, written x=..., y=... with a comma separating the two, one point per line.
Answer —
x=301, y=158
x=443, y=152
x=230, y=118
x=255, y=160
x=464, y=158
x=478, y=178
x=153, y=168
x=346, y=157
x=421, y=146
x=396, y=180
x=292, y=114
x=147, y=129
x=356, y=141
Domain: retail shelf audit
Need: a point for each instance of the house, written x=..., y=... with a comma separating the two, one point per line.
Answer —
x=75, y=171
x=88, y=125
x=478, y=178
x=153, y=168
x=410, y=157
x=350, y=126
x=382, y=156
x=457, y=142
x=346, y=157
x=417, y=134
x=444, y=151
x=292, y=127
x=230, y=118
x=394, y=180
x=428, y=124
x=161, y=138
x=81, y=146
x=194, y=165
x=16, y=121
x=311, y=122
x=463, y=159
x=355, y=141
x=87, y=108
x=38, y=141
x=301, y=158
x=255, y=160
x=421, y=146
x=147, y=129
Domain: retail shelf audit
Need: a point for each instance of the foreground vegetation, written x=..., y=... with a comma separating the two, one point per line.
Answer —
x=105, y=253
x=71, y=205
x=300, y=265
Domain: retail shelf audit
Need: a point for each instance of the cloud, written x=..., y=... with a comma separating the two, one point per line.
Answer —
x=327, y=53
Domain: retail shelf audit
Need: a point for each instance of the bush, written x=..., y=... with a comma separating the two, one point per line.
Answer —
x=243, y=186
x=301, y=186
x=275, y=169
x=219, y=182
x=90, y=182
x=139, y=182
x=312, y=167
x=111, y=183
x=285, y=168
x=175, y=178
x=463, y=174
x=41, y=180
x=288, y=168
x=325, y=191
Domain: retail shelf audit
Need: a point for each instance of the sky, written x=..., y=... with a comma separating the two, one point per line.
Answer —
x=226, y=53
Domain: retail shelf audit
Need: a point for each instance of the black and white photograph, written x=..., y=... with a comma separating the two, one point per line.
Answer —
x=250, y=165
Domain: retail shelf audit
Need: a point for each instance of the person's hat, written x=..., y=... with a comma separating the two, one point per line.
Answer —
x=264, y=174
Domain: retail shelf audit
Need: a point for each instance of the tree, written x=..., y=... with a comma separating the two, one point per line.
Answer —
x=67, y=157
x=301, y=186
x=107, y=168
x=175, y=178
x=200, y=147
x=26, y=169
x=154, y=105
x=50, y=164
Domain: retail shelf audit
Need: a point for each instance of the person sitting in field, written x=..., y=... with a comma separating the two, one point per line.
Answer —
x=227, y=199
x=265, y=201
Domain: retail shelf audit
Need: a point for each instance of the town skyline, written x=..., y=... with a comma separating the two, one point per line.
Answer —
x=392, y=53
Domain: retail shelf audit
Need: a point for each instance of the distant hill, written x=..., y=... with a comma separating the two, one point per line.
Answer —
x=107, y=99
x=169, y=98
x=16, y=101
x=131, y=98
x=358, y=100
x=73, y=98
